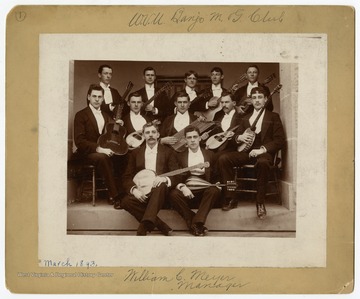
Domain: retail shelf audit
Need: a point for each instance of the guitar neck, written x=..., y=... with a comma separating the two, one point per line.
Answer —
x=182, y=170
x=162, y=89
x=120, y=107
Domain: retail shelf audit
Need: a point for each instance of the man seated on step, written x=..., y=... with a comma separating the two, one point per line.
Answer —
x=147, y=195
x=182, y=198
x=268, y=139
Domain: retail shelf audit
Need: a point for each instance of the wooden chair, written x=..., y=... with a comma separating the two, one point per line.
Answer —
x=85, y=176
x=245, y=177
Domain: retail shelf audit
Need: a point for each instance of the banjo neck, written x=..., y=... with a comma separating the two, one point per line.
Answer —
x=182, y=170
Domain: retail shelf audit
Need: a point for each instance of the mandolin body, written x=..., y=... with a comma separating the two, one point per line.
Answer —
x=135, y=139
x=244, y=147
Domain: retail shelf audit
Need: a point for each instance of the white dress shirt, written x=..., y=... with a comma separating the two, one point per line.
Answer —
x=226, y=121
x=150, y=160
x=99, y=118
x=217, y=90
x=250, y=87
x=150, y=157
x=107, y=93
x=196, y=158
x=137, y=121
x=181, y=120
x=191, y=92
x=150, y=90
x=259, y=123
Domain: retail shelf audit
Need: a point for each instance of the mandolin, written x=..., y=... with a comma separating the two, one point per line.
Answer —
x=196, y=183
x=218, y=139
x=245, y=102
x=144, y=179
x=135, y=139
x=113, y=138
x=245, y=146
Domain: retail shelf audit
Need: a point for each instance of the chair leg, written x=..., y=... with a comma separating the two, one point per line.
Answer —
x=93, y=186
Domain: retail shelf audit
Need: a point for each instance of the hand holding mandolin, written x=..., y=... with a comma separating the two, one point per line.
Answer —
x=245, y=137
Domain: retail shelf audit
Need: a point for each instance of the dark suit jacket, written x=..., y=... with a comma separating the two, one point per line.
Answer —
x=128, y=125
x=86, y=131
x=272, y=131
x=208, y=157
x=241, y=94
x=165, y=161
x=117, y=99
x=167, y=127
x=162, y=103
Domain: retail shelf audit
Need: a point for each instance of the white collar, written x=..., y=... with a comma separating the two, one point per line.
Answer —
x=154, y=149
x=148, y=86
x=103, y=85
x=189, y=89
x=182, y=115
x=230, y=114
x=98, y=111
x=216, y=87
x=133, y=114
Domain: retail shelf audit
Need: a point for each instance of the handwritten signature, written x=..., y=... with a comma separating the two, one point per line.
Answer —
x=186, y=279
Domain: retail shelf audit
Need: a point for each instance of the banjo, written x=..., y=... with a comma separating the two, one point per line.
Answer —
x=144, y=179
x=245, y=146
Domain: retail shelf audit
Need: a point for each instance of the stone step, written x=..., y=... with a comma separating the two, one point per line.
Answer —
x=103, y=217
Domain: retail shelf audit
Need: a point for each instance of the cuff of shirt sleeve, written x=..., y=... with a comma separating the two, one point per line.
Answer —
x=264, y=149
x=132, y=189
x=156, y=111
x=179, y=186
x=207, y=105
x=111, y=107
x=168, y=183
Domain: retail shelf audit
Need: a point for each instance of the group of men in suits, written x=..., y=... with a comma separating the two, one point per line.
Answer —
x=238, y=111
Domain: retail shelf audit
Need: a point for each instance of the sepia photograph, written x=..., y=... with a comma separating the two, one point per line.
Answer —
x=162, y=147
x=224, y=198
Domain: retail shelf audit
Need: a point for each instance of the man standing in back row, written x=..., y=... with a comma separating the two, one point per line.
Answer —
x=111, y=95
x=161, y=106
x=242, y=95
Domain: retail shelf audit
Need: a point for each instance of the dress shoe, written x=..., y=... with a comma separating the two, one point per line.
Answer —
x=261, y=210
x=231, y=204
x=196, y=230
x=163, y=228
x=144, y=228
x=205, y=229
x=117, y=205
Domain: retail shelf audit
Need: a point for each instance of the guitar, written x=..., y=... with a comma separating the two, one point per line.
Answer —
x=166, y=87
x=196, y=183
x=235, y=86
x=245, y=102
x=218, y=139
x=113, y=138
x=200, y=123
x=144, y=179
x=245, y=146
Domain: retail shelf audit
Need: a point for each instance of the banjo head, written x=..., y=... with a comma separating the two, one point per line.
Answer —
x=144, y=180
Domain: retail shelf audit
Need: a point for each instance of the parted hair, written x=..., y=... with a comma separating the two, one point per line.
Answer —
x=101, y=67
x=260, y=89
x=191, y=128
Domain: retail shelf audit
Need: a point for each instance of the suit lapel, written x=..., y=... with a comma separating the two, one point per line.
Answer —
x=93, y=120
x=265, y=124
